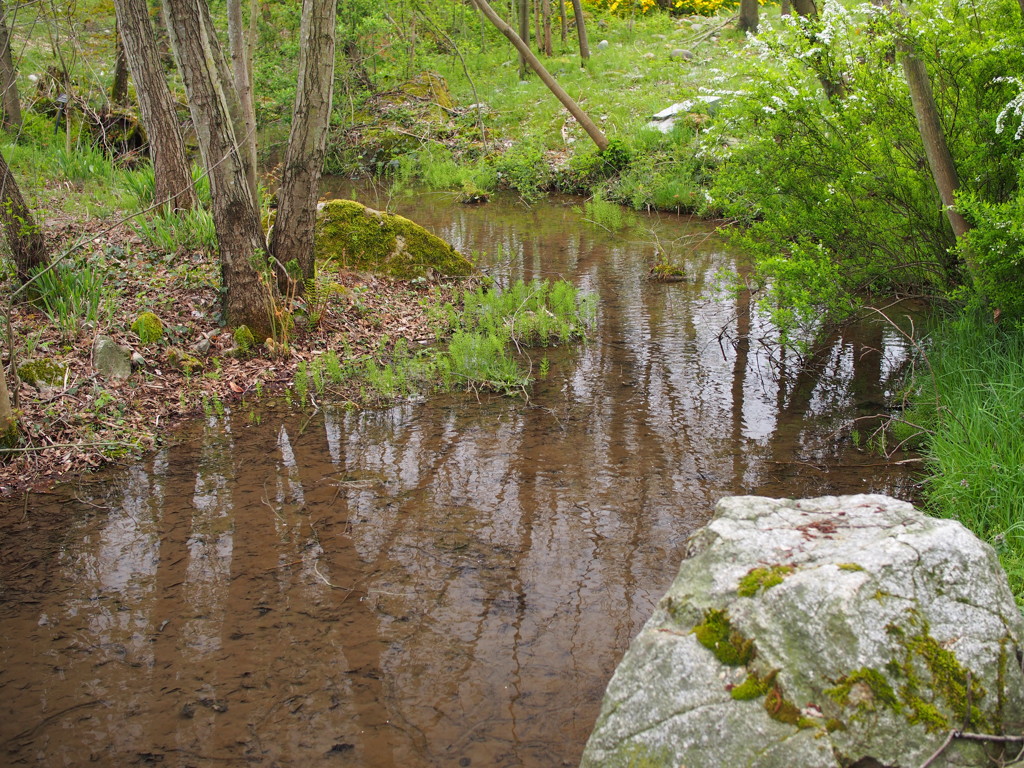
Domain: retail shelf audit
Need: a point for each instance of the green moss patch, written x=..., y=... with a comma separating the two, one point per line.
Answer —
x=762, y=578
x=717, y=635
x=754, y=687
x=357, y=237
x=864, y=688
x=149, y=328
x=44, y=372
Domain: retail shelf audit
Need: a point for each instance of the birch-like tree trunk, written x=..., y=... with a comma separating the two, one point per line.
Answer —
x=8, y=80
x=582, y=118
x=239, y=231
x=296, y=201
x=25, y=239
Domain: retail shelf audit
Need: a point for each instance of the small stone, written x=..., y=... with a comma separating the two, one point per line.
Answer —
x=681, y=53
x=44, y=373
x=110, y=359
x=138, y=361
x=202, y=346
x=602, y=45
x=148, y=327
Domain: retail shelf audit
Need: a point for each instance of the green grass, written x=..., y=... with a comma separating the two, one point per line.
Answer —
x=970, y=399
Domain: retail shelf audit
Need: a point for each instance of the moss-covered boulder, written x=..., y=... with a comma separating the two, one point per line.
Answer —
x=357, y=237
x=42, y=373
x=820, y=633
x=183, y=361
x=149, y=328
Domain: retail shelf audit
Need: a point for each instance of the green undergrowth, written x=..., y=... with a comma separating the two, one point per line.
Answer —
x=485, y=350
x=967, y=406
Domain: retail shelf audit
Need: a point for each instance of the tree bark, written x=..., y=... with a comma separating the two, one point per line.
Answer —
x=582, y=118
x=805, y=8
x=296, y=207
x=749, y=16
x=565, y=21
x=28, y=248
x=171, y=168
x=786, y=8
x=241, y=70
x=119, y=88
x=235, y=217
x=940, y=160
x=8, y=80
x=545, y=9
x=8, y=422
x=581, y=30
x=524, y=34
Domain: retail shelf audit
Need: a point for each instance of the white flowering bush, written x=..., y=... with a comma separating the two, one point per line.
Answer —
x=827, y=165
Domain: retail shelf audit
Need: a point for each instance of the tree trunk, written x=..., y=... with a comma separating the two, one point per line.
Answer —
x=940, y=160
x=171, y=168
x=28, y=248
x=565, y=21
x=8, y=421
x=8, y=80
x=524, y=34
x=582, y=118
x=748, y=16
x=239, y=231
x=786, y=8
x=296, y=202
x=241, y=70
x=119, y=88
x=545, y=10
x=581, y=30
x=805, y=8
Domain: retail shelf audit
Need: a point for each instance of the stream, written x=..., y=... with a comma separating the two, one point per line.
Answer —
x=444, y=583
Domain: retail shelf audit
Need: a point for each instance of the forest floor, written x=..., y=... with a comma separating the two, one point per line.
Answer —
x=85, y=420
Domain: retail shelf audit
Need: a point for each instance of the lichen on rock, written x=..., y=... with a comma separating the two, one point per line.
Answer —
x=360, y=238
x=840, y=663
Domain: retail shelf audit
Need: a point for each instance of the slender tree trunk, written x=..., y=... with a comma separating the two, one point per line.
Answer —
x=241, y=70
x=119, y=88
x=8, y=80
x=749, y=16
x=582, y=118
x=581, y=30
x=565, y=21
x=805, y=8
x=545, y=9
x=524, y=34
x=786, y=8
x=538, y=31
x=8, y=421
x=940, y=160
x=235, y=217
x=296, y=208
x=28, y=248
x=171, y=168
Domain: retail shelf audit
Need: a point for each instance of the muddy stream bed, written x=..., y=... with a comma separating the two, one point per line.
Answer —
x=448, y=583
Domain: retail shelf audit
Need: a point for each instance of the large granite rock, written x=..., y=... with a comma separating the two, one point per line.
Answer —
x=840, y=631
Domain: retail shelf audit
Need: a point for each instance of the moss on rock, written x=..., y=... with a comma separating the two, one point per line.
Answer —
x=183, y=361
x=717, y=635
x=762, y=578
x=149, y=328
x=42, y=373
x=244, y=340
x=358, y=237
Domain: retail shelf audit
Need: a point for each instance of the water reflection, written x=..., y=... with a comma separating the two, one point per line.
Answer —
x=439, y=584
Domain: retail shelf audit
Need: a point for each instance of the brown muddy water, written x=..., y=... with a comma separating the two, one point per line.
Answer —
x=448, y=583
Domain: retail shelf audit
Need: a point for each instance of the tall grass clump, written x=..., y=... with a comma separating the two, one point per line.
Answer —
x=173, y=232
x=969, y=401
x=74, y=294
